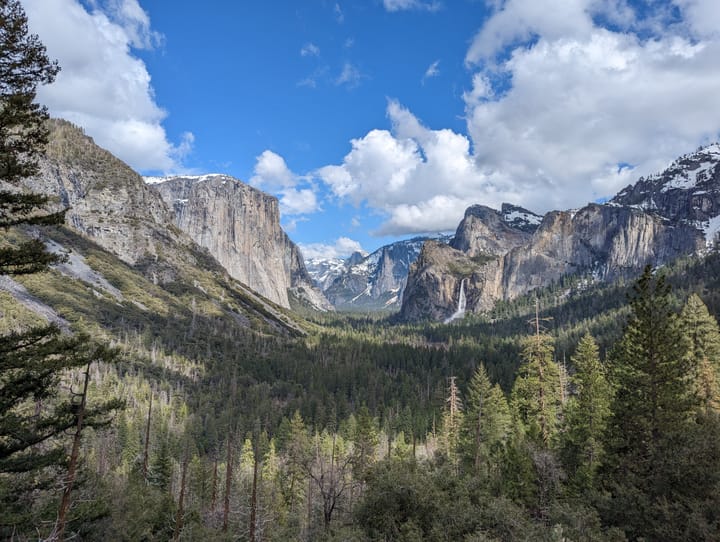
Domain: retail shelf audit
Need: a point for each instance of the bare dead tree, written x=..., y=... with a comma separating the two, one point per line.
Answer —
x=147, y=440
x=59, y=531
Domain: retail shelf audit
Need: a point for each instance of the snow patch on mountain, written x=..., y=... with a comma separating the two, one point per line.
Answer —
x=711, y=228
x=367, y=281
x=196, y=178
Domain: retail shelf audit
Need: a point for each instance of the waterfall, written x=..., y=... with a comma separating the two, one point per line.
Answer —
x=462, y=303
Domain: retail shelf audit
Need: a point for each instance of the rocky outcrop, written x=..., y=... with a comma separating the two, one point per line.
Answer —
x=240, y=226
x=368, y=282
x=433, y=284
x=688, y=191
x=485, y=231
x=659, y=219
x=108, y=202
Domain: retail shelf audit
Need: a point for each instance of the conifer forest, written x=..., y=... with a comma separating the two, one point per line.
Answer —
x=577, y=412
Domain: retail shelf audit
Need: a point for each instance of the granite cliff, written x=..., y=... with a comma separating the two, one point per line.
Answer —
x=113, y=206
x=109, y=203
x=655, y=221
x=240, y=226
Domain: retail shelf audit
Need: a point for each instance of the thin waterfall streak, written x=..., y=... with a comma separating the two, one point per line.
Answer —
x=462, y=304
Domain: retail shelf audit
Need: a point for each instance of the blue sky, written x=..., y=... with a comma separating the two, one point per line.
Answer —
x=374, y=120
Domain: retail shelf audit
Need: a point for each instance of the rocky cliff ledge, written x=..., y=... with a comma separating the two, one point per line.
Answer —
x=109, y=202
x=240, y=227
x=656, y=221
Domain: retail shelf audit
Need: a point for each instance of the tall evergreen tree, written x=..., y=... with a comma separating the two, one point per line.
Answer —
x=586, y=415
x=452, y=422
x=537, y=393
x=486, y=422
x=704, y=334
x=24, y=65
x=365, y=441
x=649, y=468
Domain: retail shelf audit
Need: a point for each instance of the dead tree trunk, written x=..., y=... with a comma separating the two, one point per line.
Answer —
x=253, y=497
x=147, y=440
x=213, y=499
x=181, y=500
x=228, y=483
x=59, y=531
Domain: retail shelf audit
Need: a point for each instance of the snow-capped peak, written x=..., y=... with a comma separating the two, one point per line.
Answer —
x=195, y=178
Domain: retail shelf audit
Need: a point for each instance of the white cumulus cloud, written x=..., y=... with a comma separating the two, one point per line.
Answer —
x=102, y=86
x=422, y=179
x=341, y=248
x=570, y=100
x=272, y=173
x=294, y=201
x=585, y=101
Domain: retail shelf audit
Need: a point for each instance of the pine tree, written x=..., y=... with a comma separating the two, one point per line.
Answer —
x=161, y=466
x=31, y=366
x=33, y=362
x=30, y=362
x=704, y=334
x=452, y=422
x=537, y=394
x=486, y=421
x=652, y=419
x=365, y=441
x=24, y=65
x=586, y=415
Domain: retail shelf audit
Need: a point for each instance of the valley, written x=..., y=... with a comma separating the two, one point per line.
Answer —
x=173, y=368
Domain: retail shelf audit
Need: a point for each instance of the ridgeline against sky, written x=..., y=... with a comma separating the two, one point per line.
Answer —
x=375, y=120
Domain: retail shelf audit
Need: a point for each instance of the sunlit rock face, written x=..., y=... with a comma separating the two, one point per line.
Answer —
x=504, y=254
x=240, y=227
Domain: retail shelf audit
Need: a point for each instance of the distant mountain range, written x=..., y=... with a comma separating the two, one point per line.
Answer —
x=170, y=228
x=371, y=282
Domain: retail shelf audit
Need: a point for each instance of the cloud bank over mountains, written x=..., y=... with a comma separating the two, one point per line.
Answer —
x=570, y=101
x=565, y=102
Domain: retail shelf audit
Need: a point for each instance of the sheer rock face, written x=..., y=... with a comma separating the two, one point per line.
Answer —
x=108, y=201
x=240, y=227
x=433, y=285
x=484, y=231
x=114, y=206
x=661, y=218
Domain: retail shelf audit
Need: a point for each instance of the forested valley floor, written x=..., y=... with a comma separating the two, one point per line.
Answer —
x=580, y=412
x=165, y=401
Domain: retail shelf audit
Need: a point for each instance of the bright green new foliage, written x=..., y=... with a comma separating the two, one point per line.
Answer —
x=486, y=423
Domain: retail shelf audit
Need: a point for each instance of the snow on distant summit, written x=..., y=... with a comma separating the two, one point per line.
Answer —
x=687, y=191
x=367, y=282
x=197, y=178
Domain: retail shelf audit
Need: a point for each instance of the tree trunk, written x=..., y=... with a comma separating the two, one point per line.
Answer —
x=147, y=440
x=181, y=500
x=213, y=499
x=59, y=533
x=228, y=483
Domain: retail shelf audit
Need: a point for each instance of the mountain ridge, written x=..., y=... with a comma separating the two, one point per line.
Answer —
x=372, y=282
x=671, y=214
